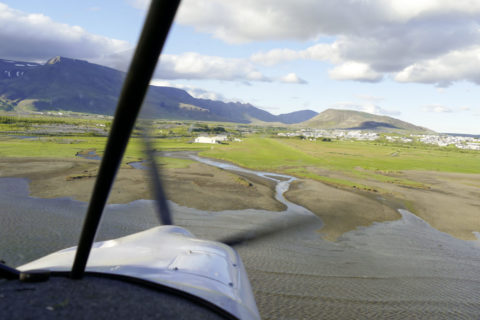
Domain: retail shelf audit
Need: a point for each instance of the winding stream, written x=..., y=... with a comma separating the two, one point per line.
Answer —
x=399, y=269
x=283, y=181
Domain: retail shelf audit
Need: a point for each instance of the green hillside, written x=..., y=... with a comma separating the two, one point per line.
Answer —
x=357, y=120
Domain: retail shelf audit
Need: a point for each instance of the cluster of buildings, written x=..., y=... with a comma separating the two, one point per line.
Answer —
x=401, y=139
x=215, y=139
x=461, y=142
x=313, y=134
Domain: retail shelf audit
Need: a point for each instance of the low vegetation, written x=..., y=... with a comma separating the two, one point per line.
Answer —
x=345, y=162
x=428, y=180
x=337, y=162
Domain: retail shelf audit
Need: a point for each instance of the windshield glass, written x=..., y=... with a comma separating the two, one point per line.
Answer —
x=360, y=114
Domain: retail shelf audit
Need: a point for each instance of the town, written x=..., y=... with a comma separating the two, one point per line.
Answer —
x=441, y=140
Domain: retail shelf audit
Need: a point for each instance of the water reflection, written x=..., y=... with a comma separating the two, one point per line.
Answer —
x=398, y=269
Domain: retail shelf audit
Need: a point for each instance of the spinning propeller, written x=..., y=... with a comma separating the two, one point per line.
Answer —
x=274, y=227
x=161, y=205
x=155, y=30
x=157, y=24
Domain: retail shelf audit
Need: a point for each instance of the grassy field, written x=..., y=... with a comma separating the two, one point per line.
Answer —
x=38, y=124
x=432, y=182
x=69, y=146
x=294, y=156
x=349, y=158
x=340, y=163
x=263, y=153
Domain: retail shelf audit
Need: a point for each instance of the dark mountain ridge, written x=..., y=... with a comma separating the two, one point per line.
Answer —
x=64, y=84
x=297, y=116
x=357, y=120
x=77, y=85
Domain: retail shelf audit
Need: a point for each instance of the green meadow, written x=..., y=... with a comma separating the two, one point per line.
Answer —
x=68, y=146
x=272, y=153
x=337, y=162
x=25, y=124
x=356, y=159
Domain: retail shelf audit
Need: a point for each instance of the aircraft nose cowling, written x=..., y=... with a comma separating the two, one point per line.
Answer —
x=170, y=256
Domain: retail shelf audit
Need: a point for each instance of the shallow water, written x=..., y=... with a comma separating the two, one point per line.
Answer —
x=91, y=155
x=398, y=270
x=283, y=182
x=141, y=165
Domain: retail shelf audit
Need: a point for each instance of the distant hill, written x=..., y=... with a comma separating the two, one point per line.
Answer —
x=77, y=85
x=62, y=84
x=357, y=120
x=297, y=116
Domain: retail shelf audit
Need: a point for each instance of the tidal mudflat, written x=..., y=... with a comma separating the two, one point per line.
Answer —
x=364, y=258
x=395, y=269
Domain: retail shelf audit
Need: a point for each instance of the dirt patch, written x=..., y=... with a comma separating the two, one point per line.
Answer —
x=197, y=186
x=340, y=210
x=217, y=189
x=452, y=204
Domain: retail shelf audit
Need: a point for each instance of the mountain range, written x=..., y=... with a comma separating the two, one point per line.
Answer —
x=357, y=120
x=65, y=84
x=77, y=85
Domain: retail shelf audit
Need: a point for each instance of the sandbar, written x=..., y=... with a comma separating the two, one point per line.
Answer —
x=197, y=186
x=340, y=210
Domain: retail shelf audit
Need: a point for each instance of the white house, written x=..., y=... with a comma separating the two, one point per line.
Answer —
x=205, y=140
x=216, y=139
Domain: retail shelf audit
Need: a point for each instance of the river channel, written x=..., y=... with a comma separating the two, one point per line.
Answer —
x=401, y=269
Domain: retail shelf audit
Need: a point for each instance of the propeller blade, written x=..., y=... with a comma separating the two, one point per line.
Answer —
x=163, y=211
x=277, y=227
x=154, y=33
x=7, y=272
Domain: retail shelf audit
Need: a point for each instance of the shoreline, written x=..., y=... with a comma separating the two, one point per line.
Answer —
x=340, y=210
x=403, y=266
x=197, y=186
x=208, y=188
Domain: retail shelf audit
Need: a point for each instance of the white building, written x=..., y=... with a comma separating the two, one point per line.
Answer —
x=205, y=140
x=216, y=139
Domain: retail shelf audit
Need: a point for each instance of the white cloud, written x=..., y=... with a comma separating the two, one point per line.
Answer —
x=275, y=56
x=370, y=38
x=318, y=52
x=258, y=20
x=36, y=37
x=355, y=71
x=436, y=108
x=425, y=41
x=454, y=66
x=192, y=65
x=193, y=91
x=292, y=78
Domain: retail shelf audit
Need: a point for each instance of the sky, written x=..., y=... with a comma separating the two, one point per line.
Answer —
x=415, y=60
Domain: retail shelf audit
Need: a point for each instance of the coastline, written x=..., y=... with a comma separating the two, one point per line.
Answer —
x=208, y=188
x=340, y=210
x=197, y=186
x=402, y=268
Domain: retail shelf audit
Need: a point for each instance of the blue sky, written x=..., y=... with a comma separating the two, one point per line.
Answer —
x=418, y=61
